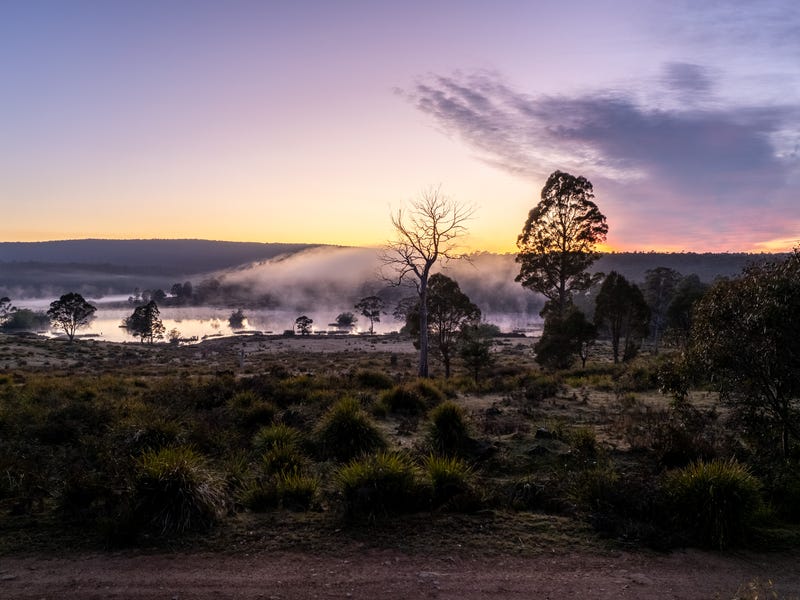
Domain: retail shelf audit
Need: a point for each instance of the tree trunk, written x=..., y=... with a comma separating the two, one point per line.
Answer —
x=423, y=328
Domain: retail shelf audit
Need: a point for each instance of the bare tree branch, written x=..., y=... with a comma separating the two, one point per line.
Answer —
x=425, y=233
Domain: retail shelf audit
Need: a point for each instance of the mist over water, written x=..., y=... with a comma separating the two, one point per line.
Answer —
x=321, y=283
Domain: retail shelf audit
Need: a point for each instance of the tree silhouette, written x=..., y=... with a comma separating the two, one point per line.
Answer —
x=5, y=309
x=371, y=307
x=621, y=309
x=746, y=338
x=303, y=324
x=449, y=309
x=557, y=244
x=145, y=323
x=659, y=290
x=70, y=312
x=346, y=320
x=425, y=234
x=563, y=338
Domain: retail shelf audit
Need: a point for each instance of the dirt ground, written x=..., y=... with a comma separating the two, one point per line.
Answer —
x=389, y=574
x=354, y=571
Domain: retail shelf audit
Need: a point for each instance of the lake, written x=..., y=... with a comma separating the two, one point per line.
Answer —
x=201, y=322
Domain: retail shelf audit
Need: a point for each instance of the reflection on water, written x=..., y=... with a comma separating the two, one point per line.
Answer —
x=206, y=321
x=201, y=322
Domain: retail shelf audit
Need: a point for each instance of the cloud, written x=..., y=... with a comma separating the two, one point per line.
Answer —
x=705, y=161
x=689, y=83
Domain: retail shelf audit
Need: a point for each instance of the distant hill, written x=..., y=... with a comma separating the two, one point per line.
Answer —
x=170, y=256
x=707, y=266
x=101, y=267
x=301, y=275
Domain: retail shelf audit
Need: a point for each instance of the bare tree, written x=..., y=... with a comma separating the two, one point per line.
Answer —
x=425, y=233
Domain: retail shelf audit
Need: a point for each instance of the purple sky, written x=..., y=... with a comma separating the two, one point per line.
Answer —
x=311, y=121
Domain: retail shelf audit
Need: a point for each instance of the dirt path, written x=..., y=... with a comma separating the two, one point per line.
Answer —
x=388, y=574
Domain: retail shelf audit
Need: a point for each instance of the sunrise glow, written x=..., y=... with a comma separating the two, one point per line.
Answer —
x=311, y=121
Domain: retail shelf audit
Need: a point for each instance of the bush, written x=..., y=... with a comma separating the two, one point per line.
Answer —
x=594, y=489
x=714, y=501
x=273, y=436
x=412, y=399
x=542, y=386
x=584, y=441
x=296, y=491
x=449, y=478
x=448, y=432
x=374, y=379
x=346, y=431
x=260, y=496
x=377, y=485
x=174, y=492
x=282, y=459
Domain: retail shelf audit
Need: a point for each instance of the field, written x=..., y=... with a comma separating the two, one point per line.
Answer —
x=322, y=466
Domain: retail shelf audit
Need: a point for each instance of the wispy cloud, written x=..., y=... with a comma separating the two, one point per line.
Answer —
x=705, y=162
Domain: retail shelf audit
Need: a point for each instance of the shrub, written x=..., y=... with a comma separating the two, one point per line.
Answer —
x=346, y=431
x=448, y=432
x=244, y=399
x=594, y=489
x=402, y=399
x=380, y=484
x=260, y=496
x=449, y=478
x=140, y=437
x=374, y=379
x=174, y=492
x=412, y=398
x=259, y=413
x=541, y=386
x=273, y=436
x=714, y=501
x=296, y=491
x=584, y=441
x=282, y=459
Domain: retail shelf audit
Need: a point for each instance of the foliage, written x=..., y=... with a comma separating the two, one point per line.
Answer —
x=411, y=398
x=71, y=312
x=563, y=338
x=558, y=240
x=282, y=458
x=371, y=307
x=174, y=336
x=680, y=313
x=747, y=335
x=659, y=289
x=237, y=320
x=346, y=431
x=303, y=324
x=474, y=348
x=274, y=436
x=379, y=485
x=145, y=323
x=24, y=319
x=424, y=235
x=540, y=387
x=449, y=310
x=620, y=308
x=448, y=430
x=174, y=492
x=296, y=491
x=714, y=501
x=6, y=309
x=374, y=379
x=448, y=476
x=346, y=320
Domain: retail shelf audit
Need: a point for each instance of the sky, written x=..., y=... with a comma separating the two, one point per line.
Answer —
x=313, y=121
